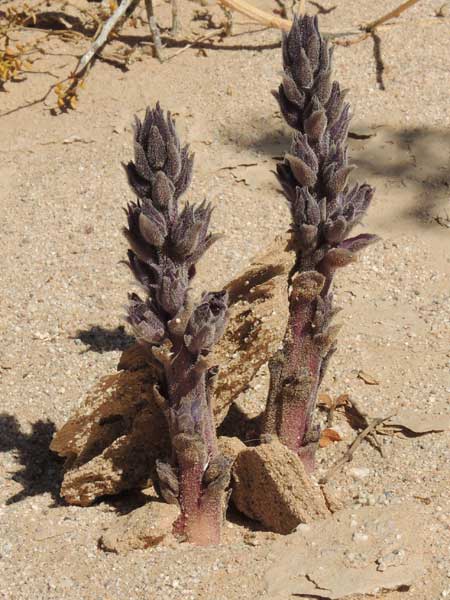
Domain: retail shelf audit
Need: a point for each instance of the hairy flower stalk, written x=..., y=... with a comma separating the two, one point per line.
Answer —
x=166, y=243
x=324, y=209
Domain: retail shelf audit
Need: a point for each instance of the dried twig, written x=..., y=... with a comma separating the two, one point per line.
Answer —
x=269, y=20
x=117, y=16
x=154, y=29
x=355, y=409
x=348, y=456
x=390, y=15
x=257, y=15
x=273, y=21
x=199, y=40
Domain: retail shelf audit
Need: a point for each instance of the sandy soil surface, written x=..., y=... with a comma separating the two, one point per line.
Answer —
x=63, y=286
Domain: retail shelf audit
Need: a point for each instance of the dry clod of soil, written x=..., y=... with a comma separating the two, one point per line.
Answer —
x=270, y=485
x=231, y=447
x=147, y=526
x=353, y=552
x=112, y=441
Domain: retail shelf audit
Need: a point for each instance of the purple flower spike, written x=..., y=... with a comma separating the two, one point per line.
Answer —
x=324, y=210
x=165, y=244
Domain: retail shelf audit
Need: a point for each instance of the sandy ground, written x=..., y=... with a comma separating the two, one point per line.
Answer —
x=63, y=287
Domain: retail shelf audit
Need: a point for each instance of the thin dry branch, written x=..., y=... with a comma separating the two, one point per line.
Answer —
x=117, y=16
x=199, y=40
x=269, y=20
x=256, y=14
x=348, y=456
x=390, y=15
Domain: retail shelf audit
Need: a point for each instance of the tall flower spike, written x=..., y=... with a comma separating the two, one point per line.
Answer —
x=165, y=244
x=324, y=209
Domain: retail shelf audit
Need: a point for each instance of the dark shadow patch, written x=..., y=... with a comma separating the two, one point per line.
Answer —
x=416, y=158
x=41, y=470
x=98, y=339
x=128, y=501
x=239, y=519
x=238, y=424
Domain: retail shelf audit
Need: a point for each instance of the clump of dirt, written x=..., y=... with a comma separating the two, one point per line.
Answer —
x=270, y=485
x=147, y=526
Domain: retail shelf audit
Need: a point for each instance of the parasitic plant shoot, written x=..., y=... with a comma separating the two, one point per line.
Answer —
x=324, y=209
x=166, y=241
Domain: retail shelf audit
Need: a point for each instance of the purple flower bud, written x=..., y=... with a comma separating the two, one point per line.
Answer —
x=334, y=231
x=359, y=242
x=307, y=236
x=303, y=74
x=147, y=326
x=303, y=174
x=207, y=322
x=316, y=124
x=162, y=191
x=292, y=92
x=153, y=228
x=156, y=149
x=301, y=149
x=172, y=290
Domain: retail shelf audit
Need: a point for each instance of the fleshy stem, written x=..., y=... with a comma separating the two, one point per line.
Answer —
x=166, y=243
x=324, y=209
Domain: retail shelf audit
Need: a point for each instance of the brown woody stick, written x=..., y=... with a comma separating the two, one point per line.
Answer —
x=269, y=20
x=348, y=456
x=391, y=15
x=257, y=15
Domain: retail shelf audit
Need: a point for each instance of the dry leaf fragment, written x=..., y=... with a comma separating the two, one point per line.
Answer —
x=367, y=378
x=342, y=400
x=325, y=400
x=328, y=436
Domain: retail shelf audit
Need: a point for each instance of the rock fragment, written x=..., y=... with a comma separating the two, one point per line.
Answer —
x=231, y=447
x=270, y=485
x=112, y=441
x=143, y=528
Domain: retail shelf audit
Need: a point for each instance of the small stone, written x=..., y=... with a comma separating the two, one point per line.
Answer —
x=393, y=559
x=359, y=472
x=145, y=527
x=270, y=485
x=230, y=447
x=360, y=537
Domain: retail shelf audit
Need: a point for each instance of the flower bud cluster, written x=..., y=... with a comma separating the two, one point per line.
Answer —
x=314, y=175
x=165, y=242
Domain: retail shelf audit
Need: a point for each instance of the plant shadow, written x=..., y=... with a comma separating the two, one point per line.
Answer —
x=41, y=470
x=99, y=339
x=414, y=159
